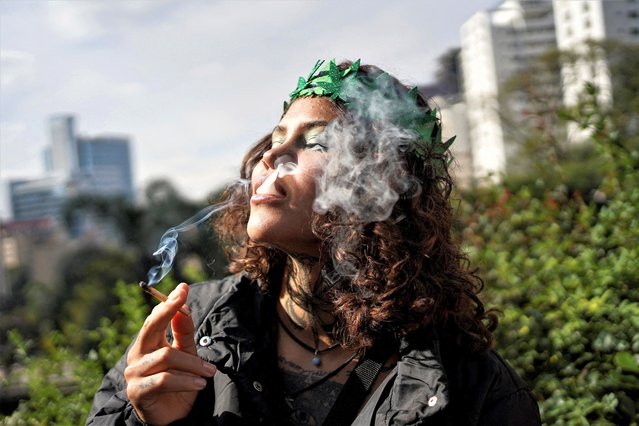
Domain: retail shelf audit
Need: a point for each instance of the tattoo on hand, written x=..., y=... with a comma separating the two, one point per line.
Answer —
x=147, y=383
x=149, y=359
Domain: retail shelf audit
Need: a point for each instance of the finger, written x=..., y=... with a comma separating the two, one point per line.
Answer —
x=153, y=333
x=184, y=331
x=164, y=382
x=168, y=359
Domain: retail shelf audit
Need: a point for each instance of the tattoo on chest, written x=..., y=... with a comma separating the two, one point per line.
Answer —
x=312, y=406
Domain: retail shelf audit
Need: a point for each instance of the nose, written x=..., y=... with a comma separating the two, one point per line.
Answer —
x=278, y=155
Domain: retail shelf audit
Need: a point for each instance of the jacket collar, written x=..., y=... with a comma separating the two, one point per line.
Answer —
x=420, y=387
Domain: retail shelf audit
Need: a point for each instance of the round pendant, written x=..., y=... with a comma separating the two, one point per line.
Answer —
x=316, y=361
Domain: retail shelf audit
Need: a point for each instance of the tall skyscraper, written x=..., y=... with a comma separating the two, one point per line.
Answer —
x=63, y=150
x=97, y=165
x=579, y=21
x=497, y=43
x=494, y=45
x=104, y=164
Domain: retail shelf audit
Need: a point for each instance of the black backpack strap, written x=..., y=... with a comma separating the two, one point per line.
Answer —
x=354, y=391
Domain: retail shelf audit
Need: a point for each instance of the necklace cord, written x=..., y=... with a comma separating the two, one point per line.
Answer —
x=315, y=350
x=326, y=377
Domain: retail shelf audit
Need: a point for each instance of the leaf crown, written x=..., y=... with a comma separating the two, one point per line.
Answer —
x=326, y=79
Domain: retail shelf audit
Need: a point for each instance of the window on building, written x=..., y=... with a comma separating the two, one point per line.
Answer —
x=633, y=14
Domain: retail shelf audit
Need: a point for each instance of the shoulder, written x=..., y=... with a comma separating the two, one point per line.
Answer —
x=488, y=388
x=234, y=292
x=202, y=291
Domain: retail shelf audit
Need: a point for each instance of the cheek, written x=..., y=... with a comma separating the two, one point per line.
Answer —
x=258, y=171
x=312, y=164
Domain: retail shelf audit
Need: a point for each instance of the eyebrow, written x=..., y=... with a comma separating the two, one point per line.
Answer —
x=304, y=127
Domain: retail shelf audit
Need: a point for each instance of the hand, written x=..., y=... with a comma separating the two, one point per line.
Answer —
x=163, y=380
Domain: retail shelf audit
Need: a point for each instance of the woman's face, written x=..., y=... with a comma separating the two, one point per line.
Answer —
x=281, y=208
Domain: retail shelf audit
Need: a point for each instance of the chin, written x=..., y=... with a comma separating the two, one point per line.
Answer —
x=291, y=244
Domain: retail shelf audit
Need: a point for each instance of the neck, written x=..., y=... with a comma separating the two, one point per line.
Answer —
x=300, y=282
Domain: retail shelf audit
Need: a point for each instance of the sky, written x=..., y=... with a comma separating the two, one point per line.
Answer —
x=193, y=83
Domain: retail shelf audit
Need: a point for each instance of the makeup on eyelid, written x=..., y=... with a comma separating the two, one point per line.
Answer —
x=279, y=136
x=283, y=182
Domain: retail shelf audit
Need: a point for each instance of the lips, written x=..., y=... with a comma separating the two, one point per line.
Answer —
x=268, y=189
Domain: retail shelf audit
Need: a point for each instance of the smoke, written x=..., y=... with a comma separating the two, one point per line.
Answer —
x=366, y=170
x=168, y=246
x=365, y=173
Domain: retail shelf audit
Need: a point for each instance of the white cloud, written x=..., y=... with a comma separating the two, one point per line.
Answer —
x=75, y=20
x=130, y=89
x=18, y=69
x=90, y=19
x=209, y=69
x=20, y=154
x=193, y=83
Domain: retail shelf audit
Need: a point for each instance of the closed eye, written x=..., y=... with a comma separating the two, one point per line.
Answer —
x=316, y=147
x=313, y=141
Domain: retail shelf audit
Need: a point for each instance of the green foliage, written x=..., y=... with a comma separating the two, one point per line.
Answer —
x=81, y=290
x=534, y=117
x=565, y=273
x=563, y=269
x=61, y=382
x=566, y=277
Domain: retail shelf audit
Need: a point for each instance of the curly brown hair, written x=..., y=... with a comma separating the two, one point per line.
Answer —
x=408, y=272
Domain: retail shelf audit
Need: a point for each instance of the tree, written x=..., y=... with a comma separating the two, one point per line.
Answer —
x=61, y=381
x=448, y=71
x=565, y=273
x=535, y=116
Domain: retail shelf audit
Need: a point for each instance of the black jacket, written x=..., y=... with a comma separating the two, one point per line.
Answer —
x=432, y=383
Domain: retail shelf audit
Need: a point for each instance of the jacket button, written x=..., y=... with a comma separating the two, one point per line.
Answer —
x=432, y=401
x=258, y=386
x=205, y=341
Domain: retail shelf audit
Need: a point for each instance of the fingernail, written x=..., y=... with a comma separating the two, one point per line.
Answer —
x=209, y=368
x=200, y=383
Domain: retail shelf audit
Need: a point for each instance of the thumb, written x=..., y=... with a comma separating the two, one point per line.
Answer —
x=183, y=328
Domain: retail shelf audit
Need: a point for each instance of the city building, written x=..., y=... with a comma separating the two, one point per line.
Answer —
x=38, y=198
x=497, y=43
x=61, y=156
x=454, y=123
x=74, y=165
x=580, y=21
x=104, y=165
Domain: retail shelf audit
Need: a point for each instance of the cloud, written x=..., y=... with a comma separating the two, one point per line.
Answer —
x=82, y=21
x=207, y=70
x=77, y=20
x=20, y=155
x=130, y=89
x=18, y=69
x=193, y=83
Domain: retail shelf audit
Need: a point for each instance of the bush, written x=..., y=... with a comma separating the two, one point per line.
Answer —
x=566, y=276
x=565, y=273
x=61, y=382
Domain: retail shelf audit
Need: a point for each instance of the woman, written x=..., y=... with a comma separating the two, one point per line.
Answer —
x=350, y=302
